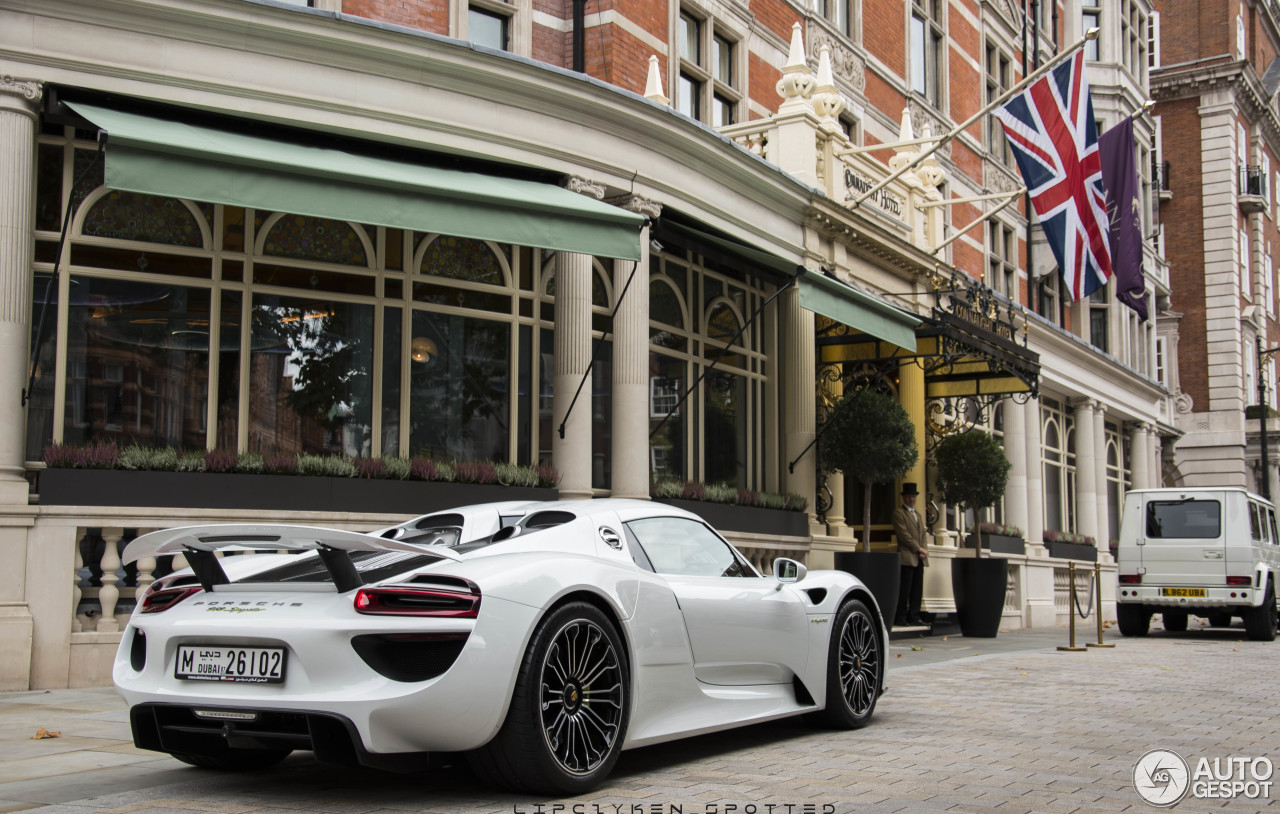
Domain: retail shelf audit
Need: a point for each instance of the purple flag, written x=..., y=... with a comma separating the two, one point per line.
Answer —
x=1124, y=210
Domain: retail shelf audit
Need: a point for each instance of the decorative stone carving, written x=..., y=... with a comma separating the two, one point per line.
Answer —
x=584, y=187
x=930, y=172
x=846, y=65
x=922, y=115
x=639, y=205
x=996, y=178
x=31, y=91
x=796, y=83
x=827, y=101
x=1182, y=403
x=1006, y=10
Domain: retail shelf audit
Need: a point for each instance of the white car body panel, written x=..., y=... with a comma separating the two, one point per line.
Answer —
x=704, y=653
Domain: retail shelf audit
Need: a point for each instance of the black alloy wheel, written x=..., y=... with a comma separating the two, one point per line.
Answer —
x=855, y=664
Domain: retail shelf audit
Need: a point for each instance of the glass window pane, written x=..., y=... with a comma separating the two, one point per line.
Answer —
x=667, y=383
x=690, y=38
x=601, y=418
x=486, y=28
x=722, y=57
x=675, y=545
x=40, y=399
x=722, y=112
x=918, y=79
x=227, y=436
x=842, y=17
x=725, y=429
x=391, y=343
x=138, y=363
x=460, y=397
x=311, y=387
x=690, y=97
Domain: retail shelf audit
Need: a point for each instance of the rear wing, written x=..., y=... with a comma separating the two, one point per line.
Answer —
x=199, y=543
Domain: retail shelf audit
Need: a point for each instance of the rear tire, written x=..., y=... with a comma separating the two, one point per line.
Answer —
x=1260, y=622
x=1134, y=620
x=1220, y=620
x=855, y=665
x=235, y=760
x=1174, y=621
x=568, y=715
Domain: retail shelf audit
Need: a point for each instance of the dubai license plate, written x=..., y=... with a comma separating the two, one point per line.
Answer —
x=246, y=665
x=1182, y=592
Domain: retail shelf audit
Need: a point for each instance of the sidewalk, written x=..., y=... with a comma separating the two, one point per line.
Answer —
x=967, y=724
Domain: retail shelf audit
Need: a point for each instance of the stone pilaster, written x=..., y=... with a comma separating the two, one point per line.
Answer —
x=1139, y=456
x=19, y=105
x=1086, y=469
x=1035, y=478
x=1015, y=448
x=911, y=394
x=799, y=418
x=1104, y=498
x=572, y=454
x=631, y=372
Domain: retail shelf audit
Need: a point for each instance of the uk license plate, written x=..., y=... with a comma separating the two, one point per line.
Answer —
x=1182, y=592
x=246, y=665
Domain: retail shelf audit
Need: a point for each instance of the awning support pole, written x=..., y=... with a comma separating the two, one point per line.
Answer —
x=720, y=355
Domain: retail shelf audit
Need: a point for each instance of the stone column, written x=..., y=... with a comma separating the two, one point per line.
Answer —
x=1155, y=476
x=631, y=367
x=572, y=453
x=838, y=523
x=19, y=106
x=1015, y=448
x=1139, y=456
x=1104, y=498
x=911, y=394
x=1086, y=469
x=1035, y=479
x=798, y=411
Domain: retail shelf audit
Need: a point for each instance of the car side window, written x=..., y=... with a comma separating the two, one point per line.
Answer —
x=1255, y=522
x=682, y=547
x=1271, y=524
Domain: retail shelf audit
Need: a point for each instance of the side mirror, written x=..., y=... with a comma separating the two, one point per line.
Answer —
x=786, y=570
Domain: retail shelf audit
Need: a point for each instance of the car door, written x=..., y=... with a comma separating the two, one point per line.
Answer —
x=1185, y=537
x=743, y=629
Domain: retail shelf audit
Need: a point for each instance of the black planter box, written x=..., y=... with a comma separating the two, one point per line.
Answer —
x=999, y=544
x=727, y=517
x=979, y=586
x=209, y=490
x=1072, y=551
x=881, y=572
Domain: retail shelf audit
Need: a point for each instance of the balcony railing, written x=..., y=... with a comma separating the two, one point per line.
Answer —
x=1253, y=189
x=1160, y=176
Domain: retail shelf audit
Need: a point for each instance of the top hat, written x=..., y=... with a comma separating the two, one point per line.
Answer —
x=909, y=489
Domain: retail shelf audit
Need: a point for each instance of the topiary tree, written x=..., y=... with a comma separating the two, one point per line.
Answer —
x=870, y=437
x=972, y=472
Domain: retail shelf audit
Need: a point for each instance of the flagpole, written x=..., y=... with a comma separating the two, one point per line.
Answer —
x=1091, y=34
x=1012, y=196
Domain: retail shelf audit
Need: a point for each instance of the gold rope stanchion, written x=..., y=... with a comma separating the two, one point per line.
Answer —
x=1097, y=582
x=1071, y=609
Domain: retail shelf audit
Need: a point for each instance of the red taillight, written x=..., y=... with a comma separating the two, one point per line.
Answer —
x=165, y=598
x=1239, y=580
x=411, y=600
x=1131, y=579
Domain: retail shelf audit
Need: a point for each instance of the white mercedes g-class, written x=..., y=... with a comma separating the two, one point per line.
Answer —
x=1211, y=552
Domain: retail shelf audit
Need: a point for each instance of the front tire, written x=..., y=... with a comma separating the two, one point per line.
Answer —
x=569, y=711
x=855, y=665
x=1260, y=622
x=1134, y=620
x=1174, y=621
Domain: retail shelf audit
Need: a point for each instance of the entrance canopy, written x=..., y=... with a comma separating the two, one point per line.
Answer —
x=172, y=158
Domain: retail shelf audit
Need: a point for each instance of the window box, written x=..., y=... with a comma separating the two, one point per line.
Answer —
x=1071, y=551
x=216, y=490
x=999, y=544
x=730, y=517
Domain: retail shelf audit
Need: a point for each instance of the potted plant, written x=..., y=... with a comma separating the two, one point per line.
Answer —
x=972, y=472
x=998, y=538
x=1070, y=546
x=870, y=438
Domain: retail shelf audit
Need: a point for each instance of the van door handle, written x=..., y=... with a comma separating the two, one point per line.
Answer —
x=1212, y=554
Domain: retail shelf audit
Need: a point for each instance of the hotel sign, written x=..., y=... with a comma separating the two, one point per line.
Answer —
x=857, y=184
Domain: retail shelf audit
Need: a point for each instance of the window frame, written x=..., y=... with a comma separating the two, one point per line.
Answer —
x=927, y=51
x=698, y=87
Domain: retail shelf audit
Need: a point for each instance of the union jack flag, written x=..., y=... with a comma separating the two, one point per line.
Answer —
x=1055, y=142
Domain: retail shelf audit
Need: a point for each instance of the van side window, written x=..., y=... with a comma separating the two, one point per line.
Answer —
x=1271, y=523
x=1255, y=522
x=1184, y=519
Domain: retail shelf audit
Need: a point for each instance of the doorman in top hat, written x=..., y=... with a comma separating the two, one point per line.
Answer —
x=908, y=525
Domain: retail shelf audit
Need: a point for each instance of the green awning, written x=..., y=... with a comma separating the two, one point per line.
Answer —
x=847, y=305
x=155, y=156
x=708, y=243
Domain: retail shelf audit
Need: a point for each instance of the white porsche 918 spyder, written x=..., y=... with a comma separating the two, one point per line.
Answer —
x=541, y=639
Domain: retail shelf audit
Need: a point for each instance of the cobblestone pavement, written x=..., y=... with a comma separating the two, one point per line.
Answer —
x=1007, y=724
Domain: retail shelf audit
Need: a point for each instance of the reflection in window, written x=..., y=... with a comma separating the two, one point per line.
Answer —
x=667, y=377
x=149, y=218
x=138, y=363
x=320, y=239
x=460, y=258
x=310, y=376
x=725, y=429
x=459, y=398
x=675, y=545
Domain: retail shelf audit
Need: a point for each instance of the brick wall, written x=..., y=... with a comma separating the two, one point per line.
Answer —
x=1184, y=244
x=884, y=34
x=432, y=15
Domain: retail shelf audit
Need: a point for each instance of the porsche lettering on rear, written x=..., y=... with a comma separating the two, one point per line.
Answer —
x=618, y=623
